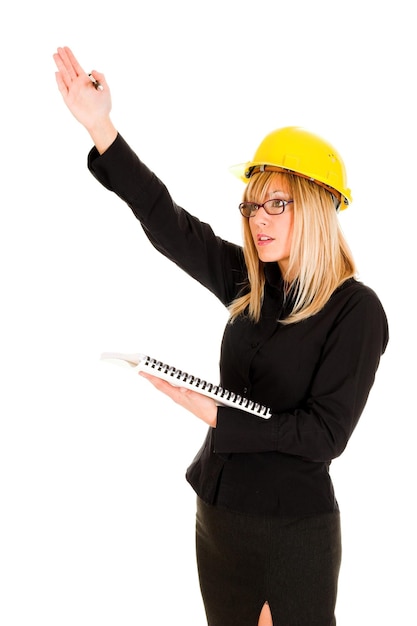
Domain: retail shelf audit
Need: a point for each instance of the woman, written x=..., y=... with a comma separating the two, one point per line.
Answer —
x=304, y=338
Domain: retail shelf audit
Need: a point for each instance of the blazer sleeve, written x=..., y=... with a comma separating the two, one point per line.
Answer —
x=178, y=235
x=320, y=429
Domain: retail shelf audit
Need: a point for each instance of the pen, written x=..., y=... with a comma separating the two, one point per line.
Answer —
x=95, y=82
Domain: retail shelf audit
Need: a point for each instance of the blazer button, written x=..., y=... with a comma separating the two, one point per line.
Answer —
x=245, y=390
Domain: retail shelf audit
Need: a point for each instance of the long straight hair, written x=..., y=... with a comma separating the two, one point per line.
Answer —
x=320, y=259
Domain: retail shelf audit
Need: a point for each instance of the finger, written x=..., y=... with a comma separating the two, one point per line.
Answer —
x=74, y=63
x=172, y=391
x=157, y=382
x=68, y=65
x=63, y=89
x=61, y=64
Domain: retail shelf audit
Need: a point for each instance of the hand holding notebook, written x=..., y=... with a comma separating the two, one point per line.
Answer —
x=178, y=378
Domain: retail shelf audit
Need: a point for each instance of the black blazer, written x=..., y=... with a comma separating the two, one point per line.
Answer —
x=314, y=375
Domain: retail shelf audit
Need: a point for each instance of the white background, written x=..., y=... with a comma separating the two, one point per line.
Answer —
x=96, y=518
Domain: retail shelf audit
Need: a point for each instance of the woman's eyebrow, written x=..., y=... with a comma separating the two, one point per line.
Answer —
x=285, y=193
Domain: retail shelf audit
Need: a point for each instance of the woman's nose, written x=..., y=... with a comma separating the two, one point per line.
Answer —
x=261, y=216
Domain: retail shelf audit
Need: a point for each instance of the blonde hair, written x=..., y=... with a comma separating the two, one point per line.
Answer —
x=320, y=259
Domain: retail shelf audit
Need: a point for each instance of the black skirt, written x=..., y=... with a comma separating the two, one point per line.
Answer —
x=246, y=560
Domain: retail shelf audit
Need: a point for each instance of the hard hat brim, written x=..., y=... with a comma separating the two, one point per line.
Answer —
x=244, y=171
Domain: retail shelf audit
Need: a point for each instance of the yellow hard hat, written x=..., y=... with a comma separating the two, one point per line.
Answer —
x=303, y=153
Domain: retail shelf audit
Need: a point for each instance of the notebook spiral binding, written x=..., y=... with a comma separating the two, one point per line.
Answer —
x=223, y=396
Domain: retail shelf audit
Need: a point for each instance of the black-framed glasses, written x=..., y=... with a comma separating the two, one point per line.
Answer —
x=272, y=207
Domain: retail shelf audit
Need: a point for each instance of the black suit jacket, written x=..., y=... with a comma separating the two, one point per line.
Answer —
x=314, y=375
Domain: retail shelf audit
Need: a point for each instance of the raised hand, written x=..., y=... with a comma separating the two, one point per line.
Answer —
x=89, y=105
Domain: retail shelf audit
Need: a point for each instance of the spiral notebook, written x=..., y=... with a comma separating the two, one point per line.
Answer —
x=223, y=397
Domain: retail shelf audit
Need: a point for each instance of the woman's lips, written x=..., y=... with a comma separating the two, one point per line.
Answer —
x=264, y=240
